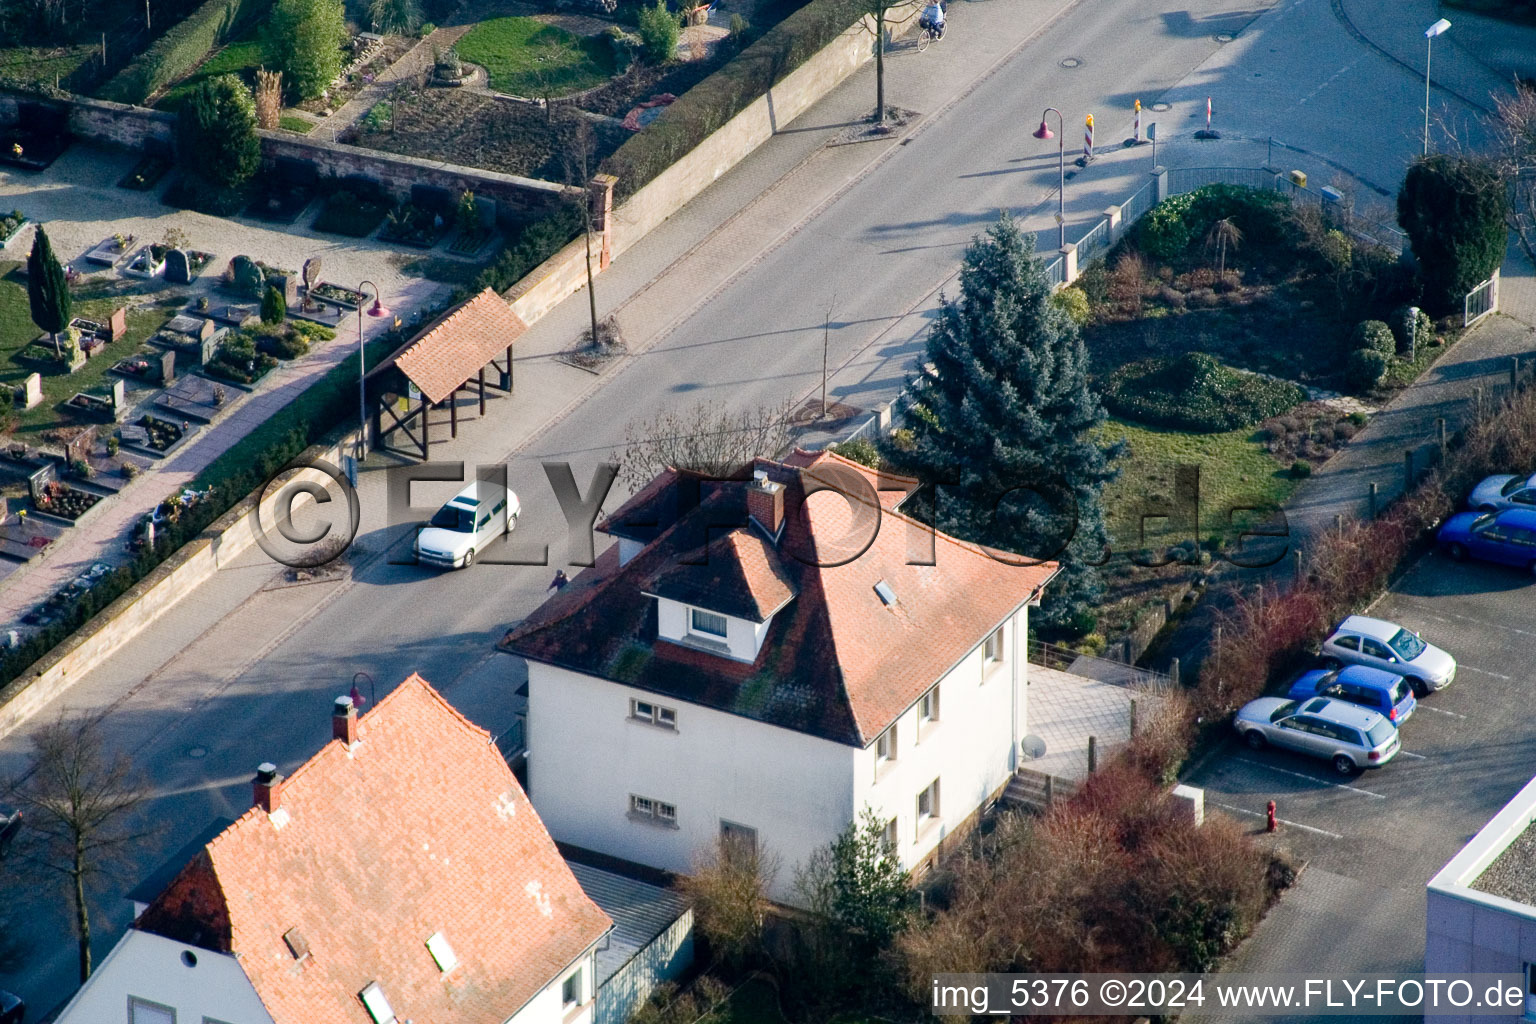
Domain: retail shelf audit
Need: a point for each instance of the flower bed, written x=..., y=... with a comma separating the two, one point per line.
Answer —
x=347, y=298
x=237, y=360
x=147, y=262
x=66, y=502
x=138, y=368
x=92, y=407
x=411, y=225
x=146, y=174
x=10, y=224
x=162, y=433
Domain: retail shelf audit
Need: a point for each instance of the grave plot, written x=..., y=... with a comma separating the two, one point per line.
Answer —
x=65, y=502
x=149, y=368
x=192, y=337
x=155, y=437
x=109, y=251
x=182, y=266
x=194, y=397
x=149, y=261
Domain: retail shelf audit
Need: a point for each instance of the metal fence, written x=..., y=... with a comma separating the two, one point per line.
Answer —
x=1480, y=301
x=1140, y=201
x=1187, y=179
x=1056, y=272
x=1094, y=242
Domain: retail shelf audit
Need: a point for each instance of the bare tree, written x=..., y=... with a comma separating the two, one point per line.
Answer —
x=577, y=154
x=80, y=807
x=881, y=11
x=705, y=438
x=1514, y=126
x=729, y=892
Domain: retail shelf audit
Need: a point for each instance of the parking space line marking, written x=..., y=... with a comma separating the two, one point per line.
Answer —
x=1483, y=671
x=1480, y=622
x=1441, y=711
x=1284, y=821
x=1408, y=753
x=1311, y=778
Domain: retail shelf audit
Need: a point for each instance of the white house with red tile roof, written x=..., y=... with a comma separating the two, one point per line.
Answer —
x=399, y=875
x=764, y=658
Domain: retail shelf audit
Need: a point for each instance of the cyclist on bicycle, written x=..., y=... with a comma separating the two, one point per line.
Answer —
x=932, y=19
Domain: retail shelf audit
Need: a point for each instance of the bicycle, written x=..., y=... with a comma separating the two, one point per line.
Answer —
x=927, y=37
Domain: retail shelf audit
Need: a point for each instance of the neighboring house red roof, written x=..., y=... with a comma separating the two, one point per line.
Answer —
x=420, y=828
x=837, y=662
x=453, y=350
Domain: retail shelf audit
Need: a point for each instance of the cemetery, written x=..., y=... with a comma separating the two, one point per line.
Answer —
x=11, y=225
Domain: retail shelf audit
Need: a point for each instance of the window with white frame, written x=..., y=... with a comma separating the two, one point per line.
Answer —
x=654, y=714
x=647, y=809
x=928, y=806
x=885, y=746
x=706, y=623
x=142, y=1011
x=377, y=1006
x=992, y=650
x=738, y=840
x=892, y=836
x=928, y=707
x=570, y=990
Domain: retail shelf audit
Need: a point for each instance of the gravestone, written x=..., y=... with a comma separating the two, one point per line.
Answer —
x=32, y=390
x=286, y=286
x=117, y=323
x=119, y=398
x=248, y=276
x=487, y=210
x=178, y=268
x=77, y=448
x=311, y=272
x=168, y=366
x=132, y=433
x=210, y=345
x=194, y=327
x=38, y=482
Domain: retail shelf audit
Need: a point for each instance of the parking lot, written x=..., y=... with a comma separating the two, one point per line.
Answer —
x=1373, y=840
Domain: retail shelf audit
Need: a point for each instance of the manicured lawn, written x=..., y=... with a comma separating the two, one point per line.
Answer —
x=756, y=1002
x=241, y=58
x=17, y=331
x=289, y=123
x=1235, y=470
x=525, y=57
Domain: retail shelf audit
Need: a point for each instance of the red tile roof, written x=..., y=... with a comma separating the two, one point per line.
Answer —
x=454, y=349
x=837, y=662
x=741, y=575
x=419, y=829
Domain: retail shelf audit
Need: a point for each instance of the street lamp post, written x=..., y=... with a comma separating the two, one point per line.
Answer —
x=1429, y=46
x=1044, y=132
x=377, y=309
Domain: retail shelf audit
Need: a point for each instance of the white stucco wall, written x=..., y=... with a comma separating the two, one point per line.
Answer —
x=151, y=968
x=586, y=756
x=741, y=636
x=546, y=1007
x=969, y=749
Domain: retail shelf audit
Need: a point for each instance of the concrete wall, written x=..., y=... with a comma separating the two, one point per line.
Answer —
x=226, y=539
x=115, y=124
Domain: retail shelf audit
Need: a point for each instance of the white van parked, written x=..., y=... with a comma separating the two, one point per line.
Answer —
x=470, y=521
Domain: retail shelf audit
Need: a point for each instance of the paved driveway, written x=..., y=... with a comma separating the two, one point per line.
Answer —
x=1372, y=841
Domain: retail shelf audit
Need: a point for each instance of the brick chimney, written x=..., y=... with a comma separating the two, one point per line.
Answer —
x=765, y=502
x=344, y=721
x=267, y=786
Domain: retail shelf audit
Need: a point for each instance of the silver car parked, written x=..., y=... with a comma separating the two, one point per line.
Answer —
x=1359, y=640
x=1346, y=735
x=1497, y=493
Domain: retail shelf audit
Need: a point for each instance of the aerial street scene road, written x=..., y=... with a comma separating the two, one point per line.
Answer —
x=794, y=511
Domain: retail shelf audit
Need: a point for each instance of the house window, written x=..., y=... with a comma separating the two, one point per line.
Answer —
x=928, y=806
x=885, y=746
x=892, y=842
x=992, y=650
x=706, y=623
x=142, y=1011
x=441, y=952
x=377, y=1006
x=654, y=714
x=646, y=809
x=928, y=708
x=738, y=840
x=570, y=990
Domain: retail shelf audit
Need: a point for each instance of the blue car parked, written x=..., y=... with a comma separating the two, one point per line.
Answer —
x=1507, y=537
x=1382, y=692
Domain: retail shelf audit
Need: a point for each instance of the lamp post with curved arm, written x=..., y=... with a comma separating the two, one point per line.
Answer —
x=1044, y=132
x=377, y=309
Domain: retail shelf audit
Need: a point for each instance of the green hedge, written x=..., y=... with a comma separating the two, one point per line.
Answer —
x=181, y=49
x=536, y=242
x=707, y=106
x=1170, y=226
x=1195, y=392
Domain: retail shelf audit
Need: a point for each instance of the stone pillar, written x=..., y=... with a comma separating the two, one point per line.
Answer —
x=1191, y=804
x=1159, y=183
x=33, y=391
x=1068, y=263
x=600, y=203
x=1112, y=214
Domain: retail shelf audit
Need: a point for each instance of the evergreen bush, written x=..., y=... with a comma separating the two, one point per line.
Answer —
x=1195, y=392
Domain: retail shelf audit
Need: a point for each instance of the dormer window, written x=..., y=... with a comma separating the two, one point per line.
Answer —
x=706, y=624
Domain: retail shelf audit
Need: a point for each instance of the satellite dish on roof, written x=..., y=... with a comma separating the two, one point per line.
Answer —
x=1032, y=746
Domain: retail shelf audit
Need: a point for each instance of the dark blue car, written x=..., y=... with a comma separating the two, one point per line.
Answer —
x=1507, y=537
x=1382, y=692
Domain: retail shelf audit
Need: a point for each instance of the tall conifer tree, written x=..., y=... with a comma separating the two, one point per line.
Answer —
x=47, y=289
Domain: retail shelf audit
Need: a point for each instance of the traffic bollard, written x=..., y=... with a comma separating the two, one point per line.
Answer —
x=1270, y=825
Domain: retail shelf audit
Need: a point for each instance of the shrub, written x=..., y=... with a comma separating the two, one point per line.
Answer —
x=1422, y=326
x=1359, y=419
x=1453, y=211
x=1365, y=369
x=1301, y=469
x=282, y=344
x=183, y=47
x=536, y=243
x=303, y=38
x=1262, y=215
x=1195, y=392
x=1163, y=232
x=1375, y=336
x=727, y=92
x=274, y=308
x=1074, y=303
x=427, y=28
x=861, y=450
x=399, y=16
x=659, y=30
x=216, y=133
x=624, y=46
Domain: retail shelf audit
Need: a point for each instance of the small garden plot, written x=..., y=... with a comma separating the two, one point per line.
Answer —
x=91, y=407
x=297, y=125
x=158, y=435
x=139, y=368
x=347, y=298
x=238, y=361
x=194, y=397
x=149, y=261
x=11, y=225
x=525, y=57
x=66, y=502
x=1308, y=435
x=1195, y=392
x=411, y=225
x=279, y=202
x=109, y=251
x=146, y=174
x=290, y=339
x=349, y=213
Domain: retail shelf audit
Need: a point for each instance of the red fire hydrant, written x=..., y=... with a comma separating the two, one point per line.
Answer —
x=1270, y=824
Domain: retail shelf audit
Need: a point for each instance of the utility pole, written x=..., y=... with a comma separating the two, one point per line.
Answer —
x=826, y=342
